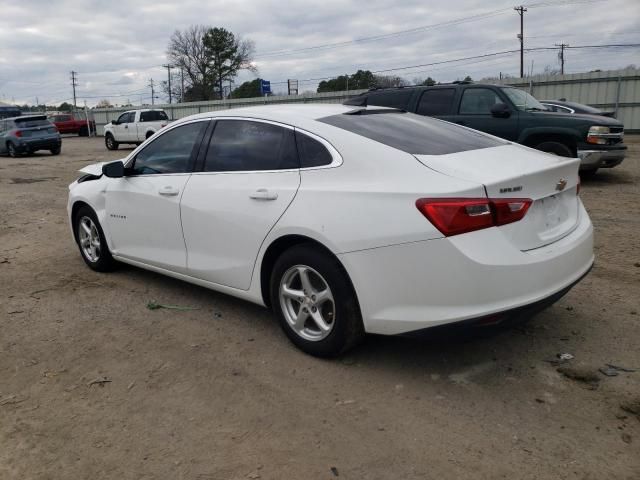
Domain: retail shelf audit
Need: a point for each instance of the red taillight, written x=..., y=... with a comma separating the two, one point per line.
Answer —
x=453, y=216
x=18, y=133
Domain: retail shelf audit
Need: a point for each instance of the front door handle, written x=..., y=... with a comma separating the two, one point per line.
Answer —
x=168, y=191
x=263, y=194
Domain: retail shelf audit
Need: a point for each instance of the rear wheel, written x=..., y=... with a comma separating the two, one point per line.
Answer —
x=315, y=302
x=83, y=132
x=556, y=148
x=110, y=142
x=56, y=151
x=91, y=241
x=11, y=150
x=149, y=134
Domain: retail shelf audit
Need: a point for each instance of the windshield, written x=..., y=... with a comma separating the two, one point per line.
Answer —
x=523, y=101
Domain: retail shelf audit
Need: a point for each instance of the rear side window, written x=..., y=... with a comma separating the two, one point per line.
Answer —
x=478, y=101
x=244, y=145
x=153, y=116
x=411, y=133
x=392, y=98
x=436, y=102
x=26, y=123
x=312, y=153
x=169, y=152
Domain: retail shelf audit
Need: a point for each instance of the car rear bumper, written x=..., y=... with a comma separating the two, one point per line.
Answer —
x=418, y=285
x=31, y=145
x=592, y=159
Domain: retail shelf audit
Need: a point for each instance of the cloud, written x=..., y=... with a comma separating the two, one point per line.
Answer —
x=116, y=50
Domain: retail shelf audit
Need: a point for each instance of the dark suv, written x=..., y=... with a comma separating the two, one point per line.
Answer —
x=512, y=114
x=27, y=134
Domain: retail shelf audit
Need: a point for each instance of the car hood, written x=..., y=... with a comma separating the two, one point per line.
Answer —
x=583, y=118
x=93, y=169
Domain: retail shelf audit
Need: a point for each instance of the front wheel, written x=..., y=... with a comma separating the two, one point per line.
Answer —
x=588, y=174
x=91, y=241
x=315, y=302
x=56, y=151
x=110, y=142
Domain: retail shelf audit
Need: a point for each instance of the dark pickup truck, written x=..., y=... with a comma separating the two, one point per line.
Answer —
x=514, y=115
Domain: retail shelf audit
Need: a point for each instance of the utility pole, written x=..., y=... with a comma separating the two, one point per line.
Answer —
x=153, y=93
x=169, y=67
x=521, y=9
x=74, y=84
x=561, y=56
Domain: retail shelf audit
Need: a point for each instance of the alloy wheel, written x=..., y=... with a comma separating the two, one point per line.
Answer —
x=89, y=239
x=307, y=303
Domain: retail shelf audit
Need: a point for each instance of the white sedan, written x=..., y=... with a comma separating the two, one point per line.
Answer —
x=343, y=220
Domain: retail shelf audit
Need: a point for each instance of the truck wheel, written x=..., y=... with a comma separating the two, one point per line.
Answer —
x=588, y=174
x=110, y=142
x=56, y=151
x=556, y=148
x=83, y=132
x=149, y=134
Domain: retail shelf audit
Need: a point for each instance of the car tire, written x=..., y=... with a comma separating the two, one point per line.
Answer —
x=588, y=174
x=11, y=150
x=83, y=132
x=148, y=135
x=556, y=148
x=56, y=151
x=320, y=314
x=91, y=241
x=110, y=142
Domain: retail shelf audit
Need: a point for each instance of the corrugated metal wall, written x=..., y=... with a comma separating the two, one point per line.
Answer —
x=609, y=90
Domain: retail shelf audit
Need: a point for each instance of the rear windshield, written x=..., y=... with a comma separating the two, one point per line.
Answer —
x=411, y=133
x=29, y=123
x=153, y=116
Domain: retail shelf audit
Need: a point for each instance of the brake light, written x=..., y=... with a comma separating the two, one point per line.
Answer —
x=453, y=216
x=18, y=133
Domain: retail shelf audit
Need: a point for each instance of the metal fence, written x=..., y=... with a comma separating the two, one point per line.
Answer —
x=617, y=90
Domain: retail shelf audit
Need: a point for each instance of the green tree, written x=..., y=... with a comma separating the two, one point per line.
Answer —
x=359, y=80
x=65, y=107
x=228, y=54
x=247, y=89
x=468, y=79
x=429, y=82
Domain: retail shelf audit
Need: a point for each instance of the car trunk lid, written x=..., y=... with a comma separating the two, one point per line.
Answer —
x=512, y=171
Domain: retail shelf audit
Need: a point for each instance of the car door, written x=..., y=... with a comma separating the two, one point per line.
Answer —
x=143, y=207
x=474, y=111
x=249, y=177
x=122, y=128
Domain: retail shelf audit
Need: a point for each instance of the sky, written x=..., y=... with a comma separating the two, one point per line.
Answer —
x=117, y=46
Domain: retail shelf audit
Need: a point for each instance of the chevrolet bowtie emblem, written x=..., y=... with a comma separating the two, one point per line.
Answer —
x=561, y=184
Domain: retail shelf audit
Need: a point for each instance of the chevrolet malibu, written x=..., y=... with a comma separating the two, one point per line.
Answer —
x=342, y=220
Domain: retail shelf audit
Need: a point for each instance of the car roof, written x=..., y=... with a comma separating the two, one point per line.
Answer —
x=283, y=113
x=28, y=117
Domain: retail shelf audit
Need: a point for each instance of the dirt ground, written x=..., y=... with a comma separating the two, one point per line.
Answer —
x=219, y=392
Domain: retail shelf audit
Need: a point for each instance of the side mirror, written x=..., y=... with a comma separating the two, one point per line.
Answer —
x=113, y=169
x=114, y=122
x=500, y=110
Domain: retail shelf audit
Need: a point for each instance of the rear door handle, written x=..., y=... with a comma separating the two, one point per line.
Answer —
x=263, y=194
x=168, y=191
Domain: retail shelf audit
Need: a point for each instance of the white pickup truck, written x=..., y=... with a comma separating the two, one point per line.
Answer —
x=134, y=126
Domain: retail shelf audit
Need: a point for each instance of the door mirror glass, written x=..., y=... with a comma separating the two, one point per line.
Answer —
x=500, y=110
x=114, y=122
x=113, y=169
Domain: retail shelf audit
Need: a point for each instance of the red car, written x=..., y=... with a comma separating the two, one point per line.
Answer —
x=72, y=123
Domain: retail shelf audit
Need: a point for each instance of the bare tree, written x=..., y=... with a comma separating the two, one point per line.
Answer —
x=386, y=81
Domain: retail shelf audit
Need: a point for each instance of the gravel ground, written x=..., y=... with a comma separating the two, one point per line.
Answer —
x=93, y=385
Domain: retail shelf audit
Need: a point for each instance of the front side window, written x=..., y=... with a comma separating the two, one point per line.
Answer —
x=436, y=102
x=244, y=145
x=478, y=101
x=169, y=152
x=522, y=100
x=124, y=118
